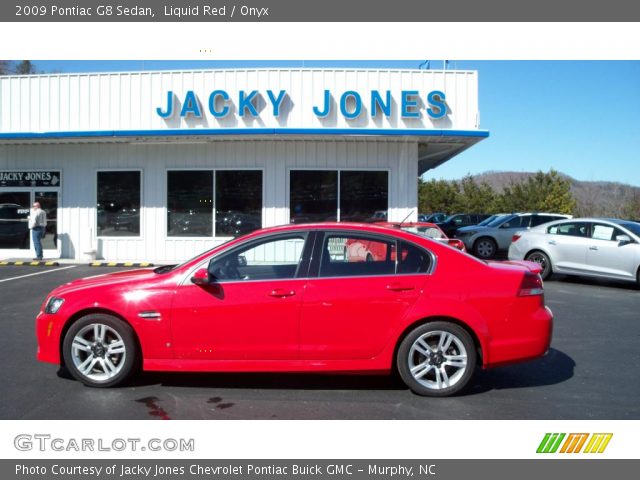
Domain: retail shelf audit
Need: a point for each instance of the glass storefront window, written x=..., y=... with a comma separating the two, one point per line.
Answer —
x=190, y=203
x=363, y=196
x=14, y=227
x=238, y=202
x=118, y=204
x=314, y=196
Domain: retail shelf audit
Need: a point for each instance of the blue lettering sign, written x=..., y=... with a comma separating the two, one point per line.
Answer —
x=224, y=111
x=245, y=103
x=357, y=110
x=276, y=101
x=169, y=111
x=409, y=104
x=191, y=105
x=327, y=106
x=378, y=103
x=438, y=107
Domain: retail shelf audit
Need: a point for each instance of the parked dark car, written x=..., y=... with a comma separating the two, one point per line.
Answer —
x=432, y=217
x=454, y=222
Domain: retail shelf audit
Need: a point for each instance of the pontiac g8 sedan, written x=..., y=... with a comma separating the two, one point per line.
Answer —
x=286, y=299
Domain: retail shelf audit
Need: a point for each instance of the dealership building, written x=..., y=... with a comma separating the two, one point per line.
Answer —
x=158, y=166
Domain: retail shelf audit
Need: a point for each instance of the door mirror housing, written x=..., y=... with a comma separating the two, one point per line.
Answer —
x=623, y=240
x=201, y=277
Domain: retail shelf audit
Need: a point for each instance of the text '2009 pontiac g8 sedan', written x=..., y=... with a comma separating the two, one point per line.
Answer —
x=290, y=299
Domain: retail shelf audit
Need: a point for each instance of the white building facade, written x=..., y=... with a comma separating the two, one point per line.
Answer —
x=158, y=166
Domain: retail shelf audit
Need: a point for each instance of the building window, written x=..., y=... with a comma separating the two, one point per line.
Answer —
x=190, y=203
x=363, y=196
x=238, y=202
x=314, y=196
x=119, y=204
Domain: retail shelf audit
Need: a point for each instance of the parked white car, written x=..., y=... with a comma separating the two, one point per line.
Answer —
x=596, y=247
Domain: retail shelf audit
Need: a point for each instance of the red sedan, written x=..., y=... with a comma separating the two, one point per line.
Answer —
x=286, y=299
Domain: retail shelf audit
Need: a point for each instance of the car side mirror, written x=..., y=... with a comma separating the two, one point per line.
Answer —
x=201, y=277
x=623, y=240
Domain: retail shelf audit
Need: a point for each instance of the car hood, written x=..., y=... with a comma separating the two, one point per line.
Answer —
x=471, y=228
x=107, y=280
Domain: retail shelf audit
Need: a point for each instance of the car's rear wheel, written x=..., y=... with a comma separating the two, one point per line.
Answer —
x=543, y=260
x=437, y=359
x=100, y=350
x=485, y=248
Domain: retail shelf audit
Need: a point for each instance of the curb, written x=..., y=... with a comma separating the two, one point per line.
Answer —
x=30, y=264
x=121, y=264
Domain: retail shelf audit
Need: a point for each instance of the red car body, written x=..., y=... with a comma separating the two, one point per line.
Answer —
x=188, y=318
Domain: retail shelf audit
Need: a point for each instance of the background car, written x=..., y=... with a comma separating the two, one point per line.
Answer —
x=240, y=307
x=488, y=240
x=429, y=230
x=432, y=217
x=459, y=220
x=595, y=247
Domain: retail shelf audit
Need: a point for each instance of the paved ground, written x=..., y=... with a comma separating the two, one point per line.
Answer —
x=591, y=372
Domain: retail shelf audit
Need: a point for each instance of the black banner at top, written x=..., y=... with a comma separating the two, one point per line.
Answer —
x=318, y=11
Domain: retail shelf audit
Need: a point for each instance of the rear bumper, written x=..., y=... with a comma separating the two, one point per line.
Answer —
x=533, y=340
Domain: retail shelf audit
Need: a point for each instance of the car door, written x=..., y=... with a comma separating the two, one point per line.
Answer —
x=567, y=244
x=606, y=255
x=350, y=308
x=250, y=309
x=505, y=232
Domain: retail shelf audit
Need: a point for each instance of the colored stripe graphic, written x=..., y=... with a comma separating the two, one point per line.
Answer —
x=598, y=442
x=550, y=442
x=574, y=443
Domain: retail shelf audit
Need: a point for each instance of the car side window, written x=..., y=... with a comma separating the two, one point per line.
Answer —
x=271, y=259
x=356, y=255
x=574, y=229
x=413, y=259
x=521, y=221
x=540, y=219
x=604, y=232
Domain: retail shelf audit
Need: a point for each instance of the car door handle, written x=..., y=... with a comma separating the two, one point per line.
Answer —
x=593, y=247
x=281, y=293
x=400, y=287
x=551, y=242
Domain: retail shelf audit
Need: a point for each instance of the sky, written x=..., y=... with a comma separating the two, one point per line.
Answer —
x=581, y=118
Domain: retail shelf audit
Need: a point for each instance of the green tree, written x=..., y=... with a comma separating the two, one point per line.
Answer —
x=631, y=209
x=476, y=198
x=5, y=67
x=543, y=192
x=438, y=196
x=25, y=67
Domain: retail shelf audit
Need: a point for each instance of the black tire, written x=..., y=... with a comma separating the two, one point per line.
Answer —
x=81, y=346
x=485, y=248
x=429, y=381
x=541, y=259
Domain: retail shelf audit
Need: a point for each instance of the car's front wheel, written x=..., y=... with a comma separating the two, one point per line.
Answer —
x=437, y=359
x=543, y=260
x=100, y=350
x=485, y=248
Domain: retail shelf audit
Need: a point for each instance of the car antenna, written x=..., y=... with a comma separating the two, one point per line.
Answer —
x=405, y=218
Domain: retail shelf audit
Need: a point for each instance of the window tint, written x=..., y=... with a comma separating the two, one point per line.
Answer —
x=118, y=204
x=363, y=196
x=604, y=232
x=574, y=229
x=190, y=203
x=354, y=255
x=313, y=196
x=413, y=259
x=238, y=202
x=521, y=221
x=540, y=219
x=272, y=259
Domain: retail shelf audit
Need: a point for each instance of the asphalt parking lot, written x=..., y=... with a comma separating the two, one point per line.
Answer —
x=591, y=372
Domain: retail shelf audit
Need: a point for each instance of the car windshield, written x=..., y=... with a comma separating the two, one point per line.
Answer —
x=429, y=232
x=450, y=217
x=487, y=221
x=500, y=220
x=170, y=268
x=632, y=226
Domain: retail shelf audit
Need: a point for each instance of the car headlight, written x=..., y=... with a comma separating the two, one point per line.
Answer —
x=466, y=234
x=53, y=305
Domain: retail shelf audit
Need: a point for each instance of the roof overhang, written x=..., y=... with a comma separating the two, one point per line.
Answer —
x=434, y=146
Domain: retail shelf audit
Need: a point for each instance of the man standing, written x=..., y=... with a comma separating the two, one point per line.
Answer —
x=38, y=226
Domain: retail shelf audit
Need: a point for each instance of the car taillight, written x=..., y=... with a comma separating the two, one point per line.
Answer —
x=515, y=237
x=531, y=285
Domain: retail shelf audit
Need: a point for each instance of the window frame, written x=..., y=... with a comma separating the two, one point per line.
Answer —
x=338, y=183
x=214, y=209
x=140, y=235
x=321, y=235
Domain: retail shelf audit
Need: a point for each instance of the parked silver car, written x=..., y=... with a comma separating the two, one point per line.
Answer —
x=487, y=240
x=597, y=247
